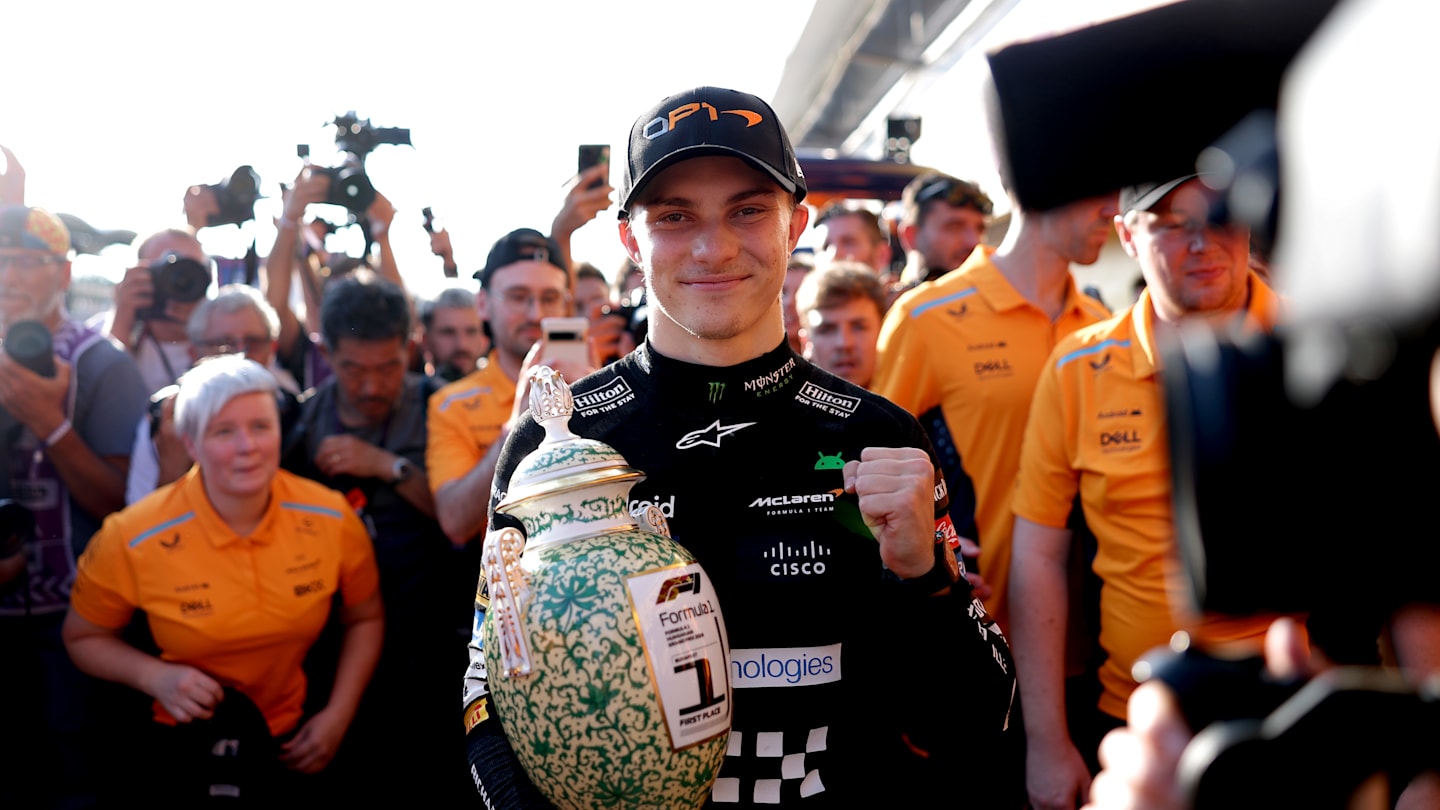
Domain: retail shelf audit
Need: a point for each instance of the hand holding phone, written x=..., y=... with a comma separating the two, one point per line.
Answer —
x=593, y=154
x=566, y=339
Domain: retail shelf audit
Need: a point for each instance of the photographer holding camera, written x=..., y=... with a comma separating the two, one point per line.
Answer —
x=67, y=416
x=292, y=255
x=153, y=303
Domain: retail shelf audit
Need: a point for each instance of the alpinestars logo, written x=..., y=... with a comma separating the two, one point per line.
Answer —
x=710, y=435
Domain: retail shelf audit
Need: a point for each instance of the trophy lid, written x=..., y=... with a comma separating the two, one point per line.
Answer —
x=563, y=461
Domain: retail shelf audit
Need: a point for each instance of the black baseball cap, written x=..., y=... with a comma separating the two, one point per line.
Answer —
x=520, y=245
x=1144, y=195
x=703, y=122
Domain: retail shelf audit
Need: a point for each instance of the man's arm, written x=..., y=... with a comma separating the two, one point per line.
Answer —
x=1056, y=774
x=309, y=187
x=582, y=204
x=462, y=504
x=382, y=214
x=12, y=180
x=343, y=454
x=96, y=483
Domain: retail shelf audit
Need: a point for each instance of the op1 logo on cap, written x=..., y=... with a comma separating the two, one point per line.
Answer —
x=709, y=121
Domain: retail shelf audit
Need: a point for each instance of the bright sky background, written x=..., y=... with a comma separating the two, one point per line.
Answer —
x=115, y=109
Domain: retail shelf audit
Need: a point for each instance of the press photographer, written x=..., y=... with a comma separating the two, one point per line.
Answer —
x=1303, y=465
x=64, y=450
x=350, y=187
x=154, y=301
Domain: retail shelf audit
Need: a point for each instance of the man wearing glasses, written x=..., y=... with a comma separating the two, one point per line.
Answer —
x=64, y=450
x=238, y=320
x=942, y=220
x=523, y=281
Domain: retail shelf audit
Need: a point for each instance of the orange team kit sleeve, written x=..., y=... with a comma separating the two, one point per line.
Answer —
x=465, y=418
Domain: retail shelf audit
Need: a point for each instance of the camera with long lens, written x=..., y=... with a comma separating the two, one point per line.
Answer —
x=235, y=197
x=29, y=344
x=350, y=186
x=1304, y=463
x=174, y=277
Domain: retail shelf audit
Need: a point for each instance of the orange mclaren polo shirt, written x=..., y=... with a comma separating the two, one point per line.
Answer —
x=971, y=345
x=464, y=420
x=245, y=610
x=1096, y=426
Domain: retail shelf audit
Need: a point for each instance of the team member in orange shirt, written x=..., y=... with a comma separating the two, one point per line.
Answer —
x=235, y=566
x=1096, y=428
x=971, y=344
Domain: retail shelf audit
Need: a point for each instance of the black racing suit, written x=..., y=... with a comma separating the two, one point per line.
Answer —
x=834, y=661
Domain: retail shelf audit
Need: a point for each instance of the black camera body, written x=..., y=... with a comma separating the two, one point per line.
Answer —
x=350, y=186
x=235, y=196
x=174, y=278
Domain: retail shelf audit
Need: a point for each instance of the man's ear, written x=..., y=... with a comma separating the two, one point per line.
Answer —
x=1127, y=237
x=799, y=218
x=627, y=238
x=907, y=234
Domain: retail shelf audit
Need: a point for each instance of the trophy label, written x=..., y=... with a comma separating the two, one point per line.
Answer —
x=686, y=647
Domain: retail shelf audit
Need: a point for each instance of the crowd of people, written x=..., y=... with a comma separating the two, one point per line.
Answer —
x=253, y=524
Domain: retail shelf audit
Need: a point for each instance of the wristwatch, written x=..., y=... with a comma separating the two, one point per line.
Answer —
x=402, y=470
x=943, y=574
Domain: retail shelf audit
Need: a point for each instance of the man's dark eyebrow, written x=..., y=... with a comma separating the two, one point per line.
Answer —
x=685, y=202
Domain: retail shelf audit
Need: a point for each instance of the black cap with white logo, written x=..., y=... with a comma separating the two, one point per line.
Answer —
x=520, y=245
x=704, y=122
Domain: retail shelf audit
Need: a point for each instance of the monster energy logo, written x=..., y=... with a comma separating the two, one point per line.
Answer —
x=717, y=390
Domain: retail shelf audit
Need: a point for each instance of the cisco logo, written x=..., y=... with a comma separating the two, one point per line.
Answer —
x=792, y=560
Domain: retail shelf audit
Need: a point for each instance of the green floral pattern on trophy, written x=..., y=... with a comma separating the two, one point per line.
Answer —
x=586, y=510
x=570, y=455
x=586, y=724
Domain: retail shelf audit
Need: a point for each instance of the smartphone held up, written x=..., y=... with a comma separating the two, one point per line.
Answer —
x=566, y=339
x=594, y=154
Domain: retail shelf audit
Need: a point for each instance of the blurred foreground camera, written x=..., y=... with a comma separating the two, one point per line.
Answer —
x=29, y=344
x=235, y=196
x=1277, y=498
x=174, y=278
x=1304, y=464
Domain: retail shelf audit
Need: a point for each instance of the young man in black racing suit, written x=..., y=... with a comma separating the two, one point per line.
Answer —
x=857, y=649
